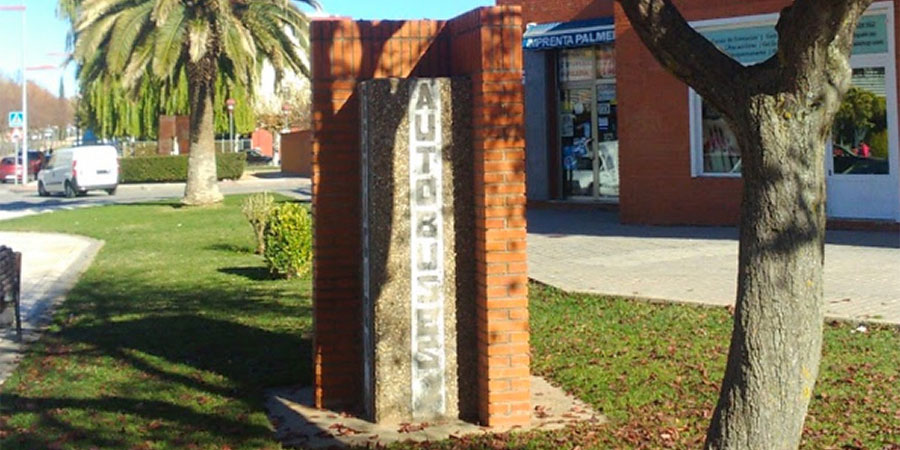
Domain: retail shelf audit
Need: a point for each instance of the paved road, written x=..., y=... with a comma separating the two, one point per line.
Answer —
x=591, y=252
x=17, y=201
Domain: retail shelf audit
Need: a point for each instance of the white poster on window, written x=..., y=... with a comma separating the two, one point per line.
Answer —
x=576, y=65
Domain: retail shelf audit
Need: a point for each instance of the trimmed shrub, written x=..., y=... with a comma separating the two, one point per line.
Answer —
x=230, y=166
x=161, y=169
x=289, y=240
x=257, y=208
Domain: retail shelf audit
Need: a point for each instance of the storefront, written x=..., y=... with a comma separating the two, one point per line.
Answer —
x=607, y=124
x=575, y=75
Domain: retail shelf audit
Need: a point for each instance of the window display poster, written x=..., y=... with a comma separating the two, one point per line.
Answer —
x=606, y=93
x=606, y=61
x=603, y=123
x=576, y=65
x=567, y=125
x=720, y=151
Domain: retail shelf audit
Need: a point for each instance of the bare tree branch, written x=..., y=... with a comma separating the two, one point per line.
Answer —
x=815, y=35
x=685, y=52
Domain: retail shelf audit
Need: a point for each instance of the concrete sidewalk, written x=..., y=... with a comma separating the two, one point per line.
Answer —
x=51, y=264
x=589, y=251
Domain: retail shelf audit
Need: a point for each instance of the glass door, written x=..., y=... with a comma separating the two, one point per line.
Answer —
x=607, y=150
x=576, y=119
x=588, y=125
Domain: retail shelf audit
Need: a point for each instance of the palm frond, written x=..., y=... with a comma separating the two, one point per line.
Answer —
x=198, y=39
x=91, y=11
x=170, y=43
x=162, y=9
x=131, y=28
x=89, y=39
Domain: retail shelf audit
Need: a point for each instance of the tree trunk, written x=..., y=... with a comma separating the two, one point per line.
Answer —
x=781, y=112
x=202, y=187
x=777, y=337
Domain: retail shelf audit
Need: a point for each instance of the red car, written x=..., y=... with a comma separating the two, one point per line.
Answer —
x=8, y=167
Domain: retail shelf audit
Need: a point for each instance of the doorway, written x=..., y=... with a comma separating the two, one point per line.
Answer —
x=589, y=140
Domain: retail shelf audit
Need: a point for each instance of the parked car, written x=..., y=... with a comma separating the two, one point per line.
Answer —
x=76, y=170
x=8, y=172
x=254, y=156
x=849, y=163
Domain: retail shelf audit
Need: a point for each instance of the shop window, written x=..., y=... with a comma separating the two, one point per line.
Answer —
x=860, y=144
x=721, y=154
x=606, y=61
x=860, y=132
x=586, y=64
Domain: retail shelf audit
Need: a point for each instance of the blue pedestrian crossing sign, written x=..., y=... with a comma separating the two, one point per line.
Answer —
x=16, y=119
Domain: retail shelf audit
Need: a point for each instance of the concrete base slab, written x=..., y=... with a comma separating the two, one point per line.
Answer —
x=298, y=424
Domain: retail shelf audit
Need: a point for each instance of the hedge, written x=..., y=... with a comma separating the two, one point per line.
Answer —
x=160, y=169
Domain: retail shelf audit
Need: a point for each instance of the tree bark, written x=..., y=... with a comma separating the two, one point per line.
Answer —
x=202, y=187
x=781, y=112
x=777, y=337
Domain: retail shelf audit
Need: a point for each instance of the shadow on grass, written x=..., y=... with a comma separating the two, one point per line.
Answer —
x=250, y=273
x=182, y=346
x=231, y=248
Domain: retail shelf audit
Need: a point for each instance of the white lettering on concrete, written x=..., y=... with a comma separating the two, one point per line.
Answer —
x=426, y=251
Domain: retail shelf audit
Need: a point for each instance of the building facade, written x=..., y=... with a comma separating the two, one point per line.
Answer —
x=607, y=124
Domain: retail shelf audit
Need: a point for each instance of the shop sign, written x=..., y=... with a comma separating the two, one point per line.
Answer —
x=579, y=33
x=427, y=250
x=570, y=40
x=751, y=45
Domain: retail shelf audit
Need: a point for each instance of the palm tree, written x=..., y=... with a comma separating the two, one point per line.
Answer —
x=123, y=41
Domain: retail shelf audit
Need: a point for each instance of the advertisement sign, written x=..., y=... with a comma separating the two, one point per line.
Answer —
x=751, y=45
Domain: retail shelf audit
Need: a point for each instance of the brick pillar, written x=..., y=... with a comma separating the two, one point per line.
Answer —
x=490, y=45
x=484, y=45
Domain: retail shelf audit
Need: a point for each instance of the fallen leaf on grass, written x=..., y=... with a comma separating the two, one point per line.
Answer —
x=412, y=427
x=342, y=430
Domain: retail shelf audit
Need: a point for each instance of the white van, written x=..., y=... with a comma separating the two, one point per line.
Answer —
x=76, y=170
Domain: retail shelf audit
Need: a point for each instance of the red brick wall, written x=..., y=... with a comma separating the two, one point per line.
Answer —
x=541, y=11
x=172, y=126
x=485, y=45
x=262, y=139
x=296, y=153
x=654, y=130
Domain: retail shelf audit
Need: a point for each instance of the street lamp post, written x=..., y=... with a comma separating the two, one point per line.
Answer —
x=229, y=104
x=285, y=112
x=21, y=8
x=24, y=107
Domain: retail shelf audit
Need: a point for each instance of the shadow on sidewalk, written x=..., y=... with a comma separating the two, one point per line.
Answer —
x=557, y=223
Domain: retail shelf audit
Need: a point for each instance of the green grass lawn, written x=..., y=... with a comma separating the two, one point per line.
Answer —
x=170, y=338
x=167, y=341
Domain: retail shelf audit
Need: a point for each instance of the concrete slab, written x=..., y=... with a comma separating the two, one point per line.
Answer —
x=299, y=424
x=51, y=264
x=590, y=251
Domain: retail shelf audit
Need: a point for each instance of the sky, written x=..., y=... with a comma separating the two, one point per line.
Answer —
x=46, y=34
